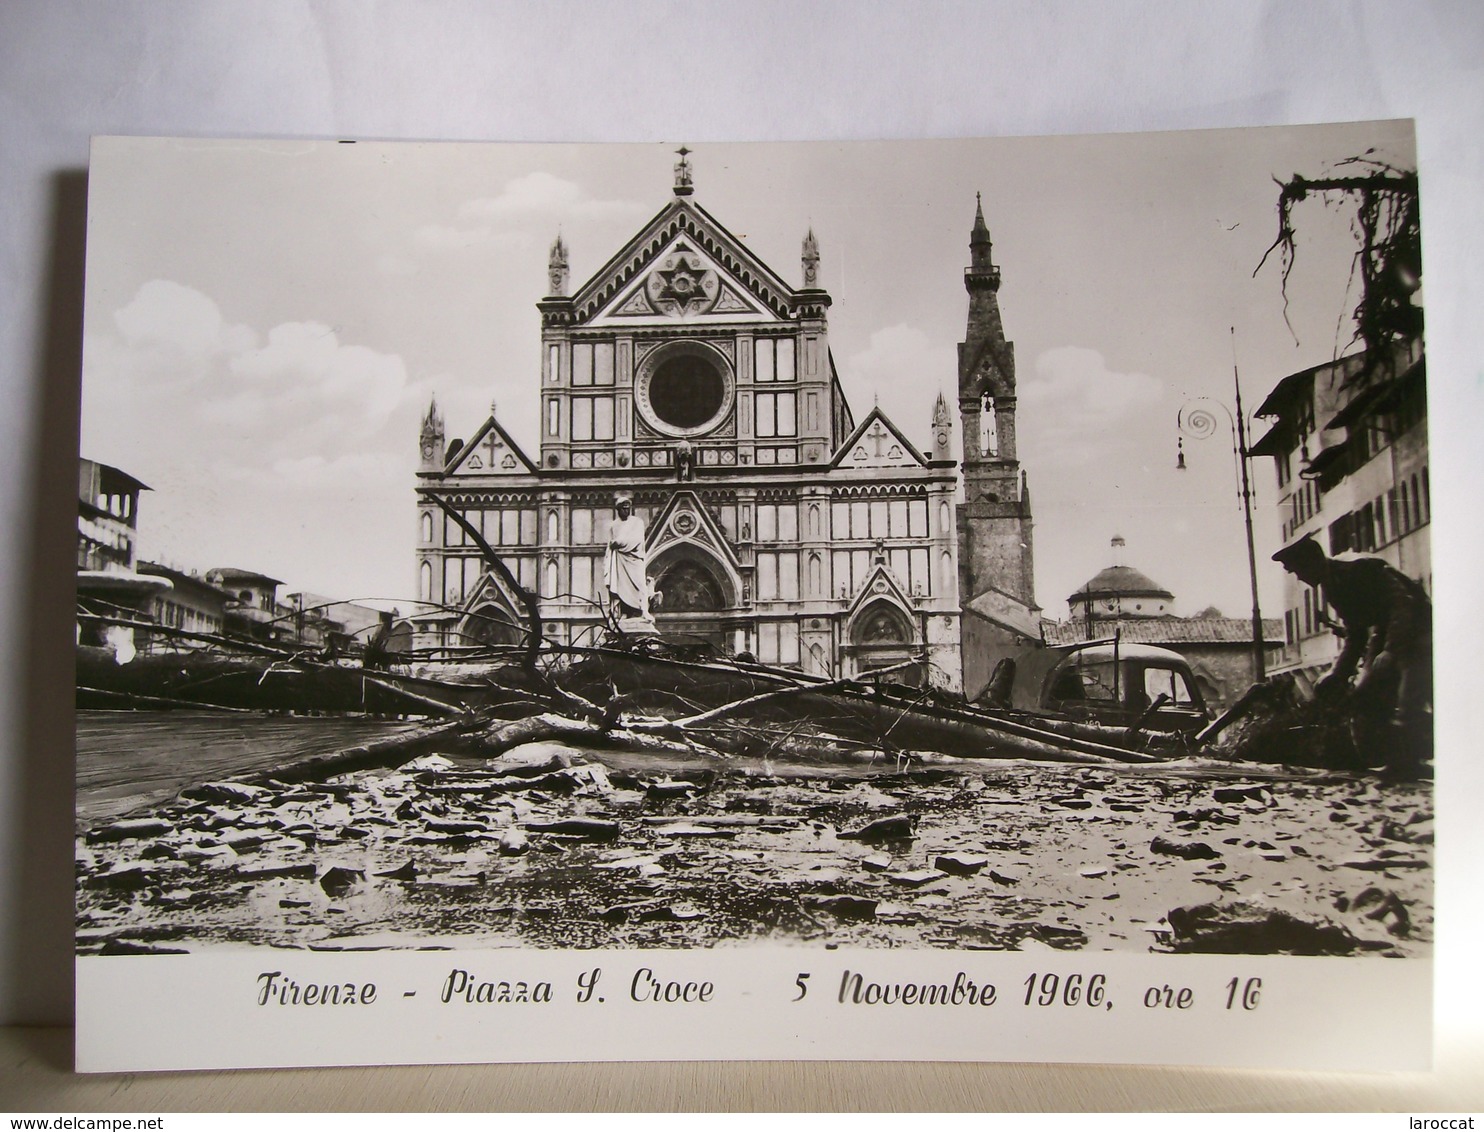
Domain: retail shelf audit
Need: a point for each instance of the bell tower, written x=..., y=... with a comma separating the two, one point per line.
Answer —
x=994, y=521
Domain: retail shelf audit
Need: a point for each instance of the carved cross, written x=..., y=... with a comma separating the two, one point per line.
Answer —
x=879, y=436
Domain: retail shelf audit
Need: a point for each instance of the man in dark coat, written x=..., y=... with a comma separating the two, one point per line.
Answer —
x=1387, y=619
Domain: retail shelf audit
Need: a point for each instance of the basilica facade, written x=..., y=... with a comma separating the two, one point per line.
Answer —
x=690, y=375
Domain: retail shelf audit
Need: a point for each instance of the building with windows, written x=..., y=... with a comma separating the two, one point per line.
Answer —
x=690, y=374
x=1120, y=601
x=1349, y=446
x=107, y=517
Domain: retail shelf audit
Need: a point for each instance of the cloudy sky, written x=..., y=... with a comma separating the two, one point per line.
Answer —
x=266, y=322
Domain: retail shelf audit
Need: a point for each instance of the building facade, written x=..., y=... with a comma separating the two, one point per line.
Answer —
x=1350, y=453
x=691, y=375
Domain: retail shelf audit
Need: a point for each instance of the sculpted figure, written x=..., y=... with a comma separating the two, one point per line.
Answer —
x=623, y=563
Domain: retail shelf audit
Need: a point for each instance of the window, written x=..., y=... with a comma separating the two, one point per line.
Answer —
x=427, y=527
x=553, y=369
x=553, y=417
x=897, y=518
x=776, y=415
x=582, y=577
x=592, y=363
x=921, y=577
x=460, y=576
x=553, y=527
x=773, y=360
x=777, y=522
x=839, y=520
x=592, y=418
x=917, y=524
x=778, y=643
x=589, y=526
x=860, y=519
x=1167, y=682
x=879, y=525
x=840, y=563
x=425, y=582
x=778, y=576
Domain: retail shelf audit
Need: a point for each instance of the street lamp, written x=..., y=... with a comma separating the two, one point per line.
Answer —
x=1197, y=421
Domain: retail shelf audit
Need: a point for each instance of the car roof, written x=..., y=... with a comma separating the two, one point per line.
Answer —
x=1130, y=651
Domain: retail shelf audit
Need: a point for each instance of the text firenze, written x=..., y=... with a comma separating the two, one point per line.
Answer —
x=963, y=991
x=276, y=990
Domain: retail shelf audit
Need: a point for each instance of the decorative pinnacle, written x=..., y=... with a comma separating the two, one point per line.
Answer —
x=811, y=259
x=556, y=268
x=433, y=421
x=683, y=184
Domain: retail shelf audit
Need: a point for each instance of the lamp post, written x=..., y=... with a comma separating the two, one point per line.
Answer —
x=1196, y=421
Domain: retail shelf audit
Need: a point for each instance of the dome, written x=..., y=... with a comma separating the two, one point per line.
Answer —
x=1120, y=581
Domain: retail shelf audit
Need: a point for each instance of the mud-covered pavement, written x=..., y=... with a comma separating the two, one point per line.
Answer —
x=548, y=846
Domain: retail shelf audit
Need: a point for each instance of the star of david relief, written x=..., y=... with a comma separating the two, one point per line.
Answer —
x=682, y=286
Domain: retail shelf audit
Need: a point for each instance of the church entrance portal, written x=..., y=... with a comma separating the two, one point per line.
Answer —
x=695, y=608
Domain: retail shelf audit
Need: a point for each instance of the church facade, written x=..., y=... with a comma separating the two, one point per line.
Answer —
x=690, y=375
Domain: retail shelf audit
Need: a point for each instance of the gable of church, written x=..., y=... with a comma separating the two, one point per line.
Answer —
x=684, y=519
x=683, y=267
x=877, y=443
x=880, y=586
x=491, y=453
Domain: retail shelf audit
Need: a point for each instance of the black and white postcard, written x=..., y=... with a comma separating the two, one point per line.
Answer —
x=959, y=600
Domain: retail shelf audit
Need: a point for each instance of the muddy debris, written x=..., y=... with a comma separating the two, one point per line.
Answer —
x=895, y=828
x=959, y=864
x=447, y=850
x=1185, y=850
x=1242, y=927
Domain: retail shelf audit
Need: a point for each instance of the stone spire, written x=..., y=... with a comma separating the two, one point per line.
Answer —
x=431, y=437
x=556, y=269
x=942, y=430
x=683, y=185
x=982, y=270
x=811, y=261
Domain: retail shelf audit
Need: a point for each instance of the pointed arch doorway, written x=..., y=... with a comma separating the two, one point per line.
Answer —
x=699, y=603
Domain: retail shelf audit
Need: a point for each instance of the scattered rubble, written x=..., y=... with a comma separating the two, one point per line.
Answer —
x=544, y=844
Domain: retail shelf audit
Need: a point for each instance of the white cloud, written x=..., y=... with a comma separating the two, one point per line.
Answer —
x=903, y=370
x=542, y=194
x=485, y=221
x=179, y=392
x=1078, y=409
x=171, y=316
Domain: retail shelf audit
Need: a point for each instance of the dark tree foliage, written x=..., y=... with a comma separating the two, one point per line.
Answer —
x=1388, y=230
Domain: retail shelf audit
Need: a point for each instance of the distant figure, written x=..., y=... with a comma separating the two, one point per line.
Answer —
x=1387, y=619
x=623, y=563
